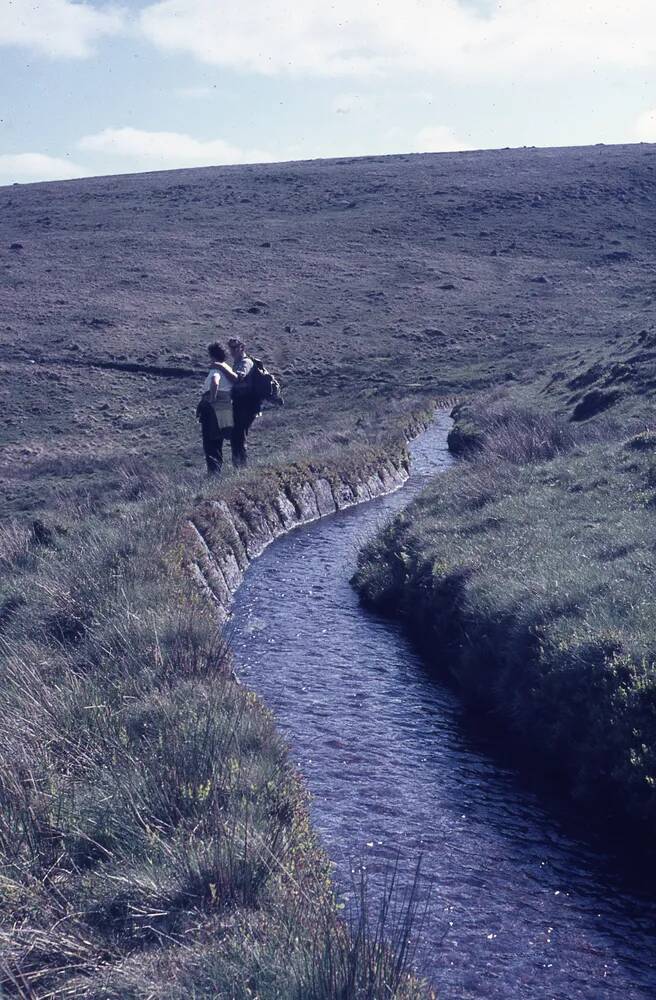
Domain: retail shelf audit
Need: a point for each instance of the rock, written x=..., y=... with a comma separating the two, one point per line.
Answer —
x=362, y=492
x=397, y=473
x=387, y=481
x=286, y=511
x=345, y=495
x=539, y=279
x=325, y=498
x=375, y=485
x=233, y=523
x=16, y=246
x=205, y=588
x=306, y=502
x=230, y=568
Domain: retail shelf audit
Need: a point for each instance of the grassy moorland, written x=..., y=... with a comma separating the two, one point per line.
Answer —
x=360, y=281
x=528, y=572
x=154, y=838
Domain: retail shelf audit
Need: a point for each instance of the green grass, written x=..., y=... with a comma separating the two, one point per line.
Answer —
x=529, y=568
x=154, y=836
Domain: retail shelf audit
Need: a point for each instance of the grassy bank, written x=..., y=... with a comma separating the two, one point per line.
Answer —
x=526, y=571
x=154, y=837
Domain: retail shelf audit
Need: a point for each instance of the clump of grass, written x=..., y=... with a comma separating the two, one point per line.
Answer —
x=502, y=430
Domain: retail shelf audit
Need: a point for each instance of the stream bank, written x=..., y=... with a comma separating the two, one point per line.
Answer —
x=519, y=907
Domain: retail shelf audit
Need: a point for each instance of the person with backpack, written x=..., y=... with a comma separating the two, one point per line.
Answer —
x=246, y=405
x=214, y=411
x=247, y=385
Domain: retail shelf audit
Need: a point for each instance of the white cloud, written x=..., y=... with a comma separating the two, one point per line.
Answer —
x=531, y=37
x=195, y=93
x=644, y=127
x=303, y=36
x=26, y=167
x=438, y=139
x=168, y=150
x=345, y=104
x=57, y=27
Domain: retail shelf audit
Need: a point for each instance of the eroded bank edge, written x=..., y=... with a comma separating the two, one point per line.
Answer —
x=223, y=536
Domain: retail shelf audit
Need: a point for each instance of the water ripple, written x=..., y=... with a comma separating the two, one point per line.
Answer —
x=520, y=910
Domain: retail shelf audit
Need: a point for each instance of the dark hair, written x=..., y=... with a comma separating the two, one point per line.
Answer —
x=236, y=342
x=216, y=352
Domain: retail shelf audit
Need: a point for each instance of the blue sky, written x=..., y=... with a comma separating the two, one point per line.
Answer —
x=97, y=88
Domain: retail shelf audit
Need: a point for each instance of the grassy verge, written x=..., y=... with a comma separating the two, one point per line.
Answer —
x=154, y=837
x=526, y=570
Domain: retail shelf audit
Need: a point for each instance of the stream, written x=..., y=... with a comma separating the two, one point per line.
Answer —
x=519, y=907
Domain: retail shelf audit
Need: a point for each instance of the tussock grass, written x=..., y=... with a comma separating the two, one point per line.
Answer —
x=495, y=428
x=526, y=568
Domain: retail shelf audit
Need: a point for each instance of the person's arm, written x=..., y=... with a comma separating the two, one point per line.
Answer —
x=228, y=372
x=214, y=388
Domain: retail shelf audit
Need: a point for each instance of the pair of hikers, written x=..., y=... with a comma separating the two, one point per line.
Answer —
x=232, y=398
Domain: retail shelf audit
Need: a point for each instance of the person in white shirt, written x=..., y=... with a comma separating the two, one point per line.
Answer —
x=214, y=411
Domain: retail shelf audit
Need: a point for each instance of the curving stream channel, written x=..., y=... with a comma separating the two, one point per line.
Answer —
x=519, y=908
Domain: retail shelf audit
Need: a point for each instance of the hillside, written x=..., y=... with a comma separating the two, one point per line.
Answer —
x=149, y=865
x=364, y=282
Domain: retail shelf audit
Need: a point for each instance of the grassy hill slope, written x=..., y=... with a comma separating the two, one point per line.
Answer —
x=361, y=281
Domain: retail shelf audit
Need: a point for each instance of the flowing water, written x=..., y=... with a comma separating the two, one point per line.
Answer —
x=520, y=908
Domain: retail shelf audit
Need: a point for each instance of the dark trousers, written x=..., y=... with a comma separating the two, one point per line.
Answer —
x=244, y=412
x=213, y=437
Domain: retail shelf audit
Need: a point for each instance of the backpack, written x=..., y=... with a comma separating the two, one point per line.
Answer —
x=259, y=385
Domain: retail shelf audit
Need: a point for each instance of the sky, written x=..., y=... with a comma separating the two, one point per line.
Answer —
x=91, y=87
